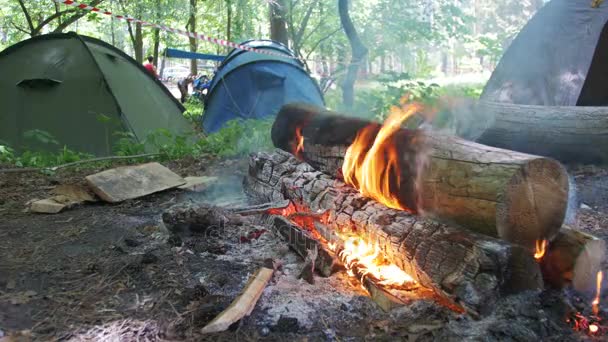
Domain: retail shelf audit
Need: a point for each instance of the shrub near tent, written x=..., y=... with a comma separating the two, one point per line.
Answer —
x=81, y=91
x=250, y=85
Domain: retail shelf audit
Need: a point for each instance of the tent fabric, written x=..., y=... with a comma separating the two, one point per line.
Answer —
x=249, y=85
x=174, y=53
x=82, y=92
x=551, y=60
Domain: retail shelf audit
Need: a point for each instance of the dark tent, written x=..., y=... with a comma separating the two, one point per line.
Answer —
x=81, y=91
x=250, y=85
x=560, y=58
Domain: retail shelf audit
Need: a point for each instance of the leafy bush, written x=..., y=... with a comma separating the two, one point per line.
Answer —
x=238, y=138
x=194, y=110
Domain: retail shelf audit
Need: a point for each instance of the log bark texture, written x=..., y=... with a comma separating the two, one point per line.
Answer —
x=518, y=197
x=568, y=134
x=574, y=257
x=466, y=268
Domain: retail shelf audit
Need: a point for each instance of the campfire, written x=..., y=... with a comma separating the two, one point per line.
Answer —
x=422, y=212
x=410, y=215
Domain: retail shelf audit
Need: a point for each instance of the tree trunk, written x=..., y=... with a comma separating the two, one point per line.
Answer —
x=569, y=134
x=358, y=53
x=518, y=197
x=465, y=268
x=139, y=43
x=157, y=33
x=191, y=26
x=278, y=23
x=229, y=20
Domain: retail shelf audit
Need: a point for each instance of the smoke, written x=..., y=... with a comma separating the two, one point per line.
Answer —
x=462, y=117
x=573, y=202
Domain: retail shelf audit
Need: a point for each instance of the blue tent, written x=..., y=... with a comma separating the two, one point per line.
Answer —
x=250, y=85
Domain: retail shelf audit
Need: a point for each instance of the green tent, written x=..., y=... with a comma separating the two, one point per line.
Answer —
x=81, y=91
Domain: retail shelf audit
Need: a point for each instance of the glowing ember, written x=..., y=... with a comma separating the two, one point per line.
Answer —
x=367, y=258
x=373, y=169
x=541, y=247
x=593, y=328
x=300, y=141
x=598, y=291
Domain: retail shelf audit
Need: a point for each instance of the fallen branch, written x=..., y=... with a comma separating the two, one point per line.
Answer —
x=243, y=304
x=80, y=162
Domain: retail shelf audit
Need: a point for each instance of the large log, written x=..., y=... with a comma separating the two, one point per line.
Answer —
x=466, y=268
x=518, y=197
x=568, y=134
x=573, y=258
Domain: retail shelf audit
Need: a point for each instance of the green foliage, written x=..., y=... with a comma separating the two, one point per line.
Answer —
x=238, y=138
x=194, y=110
x=40, y=137
x=40, y=159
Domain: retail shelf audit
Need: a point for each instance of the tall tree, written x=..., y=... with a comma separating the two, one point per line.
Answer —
x=191, y=26
x=358, y=53
x=278, y=23
x=136, y=35
x=37, y=19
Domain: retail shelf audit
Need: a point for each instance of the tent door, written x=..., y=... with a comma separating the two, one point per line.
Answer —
x=594, y=91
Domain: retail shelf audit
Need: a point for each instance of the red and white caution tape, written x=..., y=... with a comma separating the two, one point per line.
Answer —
x=170, y=29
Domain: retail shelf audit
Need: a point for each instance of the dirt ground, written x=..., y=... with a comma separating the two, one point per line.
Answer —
x=102, y=272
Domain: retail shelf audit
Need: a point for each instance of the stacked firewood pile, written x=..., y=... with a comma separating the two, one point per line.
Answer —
x=466, y=221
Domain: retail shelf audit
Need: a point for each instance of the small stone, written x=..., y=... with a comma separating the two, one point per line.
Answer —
x=131, y=243
x=264, y=332
x=174, y=241
x=330, y=334
x=287, y=325
x=585, y=207
x=149, y=258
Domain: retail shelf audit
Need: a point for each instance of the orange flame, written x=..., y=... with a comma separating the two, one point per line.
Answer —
x=593, y=328
x=373, y=169
x=598, y=291
x=541, y=248
x=367, y=258
x=300, y=141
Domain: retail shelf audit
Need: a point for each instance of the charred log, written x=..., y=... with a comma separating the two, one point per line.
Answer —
x=518, y=197
x=573, y=257
x=463, y=267
x=324, y=262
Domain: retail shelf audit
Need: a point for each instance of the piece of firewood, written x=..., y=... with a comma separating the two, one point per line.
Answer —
x=308, y=270
x=325, y=262
x=573, y=257
x=572, y=134
x=243, y=305
x=469, y=269
x=518, y=197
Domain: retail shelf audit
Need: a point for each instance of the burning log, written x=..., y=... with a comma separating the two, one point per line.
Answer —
x=465, y=268
x=573, y=257
x=518, y=197
x=569, y=134
x=325, y=263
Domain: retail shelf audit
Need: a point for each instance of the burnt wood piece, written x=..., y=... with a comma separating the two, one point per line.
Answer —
x=570, y=134
x=517, y=197
x=198, y=217
x=301, y=242
x=573, y=257
x=469, y=269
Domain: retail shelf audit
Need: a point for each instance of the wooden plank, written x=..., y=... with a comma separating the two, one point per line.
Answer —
x=129, y=182
x=243, y=304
